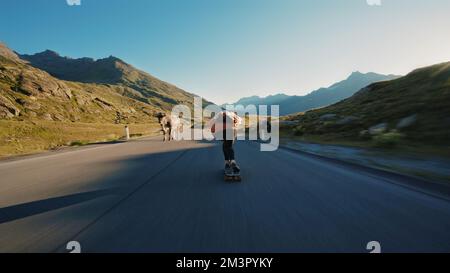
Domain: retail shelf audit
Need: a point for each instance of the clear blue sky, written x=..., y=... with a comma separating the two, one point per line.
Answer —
x=227, y=49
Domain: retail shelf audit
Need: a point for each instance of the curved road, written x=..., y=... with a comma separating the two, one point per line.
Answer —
x=147, y=196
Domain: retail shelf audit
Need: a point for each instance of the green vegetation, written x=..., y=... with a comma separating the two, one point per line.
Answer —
x=388, y=140
x=79, y=143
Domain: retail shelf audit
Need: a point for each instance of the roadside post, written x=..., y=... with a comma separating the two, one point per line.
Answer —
x=127, y=132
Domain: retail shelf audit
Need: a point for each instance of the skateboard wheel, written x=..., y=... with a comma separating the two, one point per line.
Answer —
x=228, y=178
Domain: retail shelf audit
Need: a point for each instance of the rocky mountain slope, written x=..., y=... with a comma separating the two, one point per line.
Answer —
x=46, y=86
x=414, y=108
x=137, y=84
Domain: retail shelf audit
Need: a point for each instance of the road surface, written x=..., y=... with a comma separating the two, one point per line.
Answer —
x=149, y=196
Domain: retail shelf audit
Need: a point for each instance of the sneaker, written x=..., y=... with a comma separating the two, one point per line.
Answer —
x=236, y=169
x=228, y=169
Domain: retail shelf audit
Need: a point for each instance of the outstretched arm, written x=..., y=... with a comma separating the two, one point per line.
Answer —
x=237, y=120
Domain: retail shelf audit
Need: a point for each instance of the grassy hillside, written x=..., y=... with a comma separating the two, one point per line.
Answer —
x=413, y=110
x=27, y=137
x=39, y=111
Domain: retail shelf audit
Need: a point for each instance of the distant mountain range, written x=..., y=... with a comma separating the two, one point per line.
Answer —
x=318, y=98
x=50, y=87
x=257, y=100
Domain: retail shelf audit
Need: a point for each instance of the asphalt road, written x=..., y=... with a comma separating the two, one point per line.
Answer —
x=148, y=196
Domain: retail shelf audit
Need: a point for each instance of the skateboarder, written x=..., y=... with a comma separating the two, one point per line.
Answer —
x=224, y=127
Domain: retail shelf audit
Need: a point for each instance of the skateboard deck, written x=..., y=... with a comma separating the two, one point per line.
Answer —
x=233, y=177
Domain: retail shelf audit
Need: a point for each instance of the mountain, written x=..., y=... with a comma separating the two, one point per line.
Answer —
x=86, y=70
x=414, y=108
x=111, y=71
x=256, y=100
x=318, y=98
x=46, y=86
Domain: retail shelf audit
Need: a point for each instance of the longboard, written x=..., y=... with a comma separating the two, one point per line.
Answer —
x=233, y=177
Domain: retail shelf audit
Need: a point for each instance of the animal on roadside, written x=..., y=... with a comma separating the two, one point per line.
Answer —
x=171, y=126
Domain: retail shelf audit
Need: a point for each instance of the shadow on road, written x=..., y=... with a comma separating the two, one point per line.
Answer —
x=130, y=173
x=17, y=212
